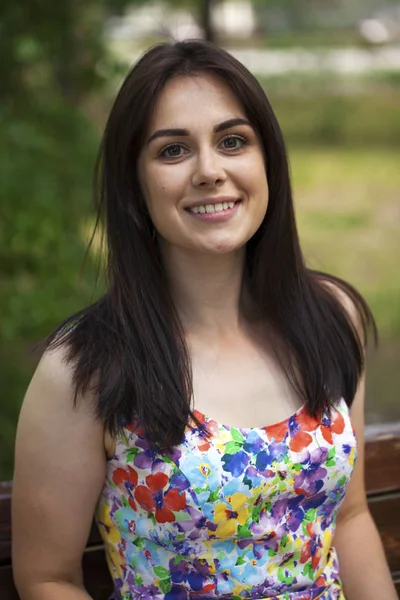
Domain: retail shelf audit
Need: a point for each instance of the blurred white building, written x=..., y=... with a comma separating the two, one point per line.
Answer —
x=381, y=27
x=234, y=18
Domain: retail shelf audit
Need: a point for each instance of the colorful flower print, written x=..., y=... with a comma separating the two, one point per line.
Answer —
x=230, y=513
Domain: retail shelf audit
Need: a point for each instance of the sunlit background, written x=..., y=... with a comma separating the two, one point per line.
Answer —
x=331, y=69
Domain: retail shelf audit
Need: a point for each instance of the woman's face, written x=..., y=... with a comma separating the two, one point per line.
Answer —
x=202, y=168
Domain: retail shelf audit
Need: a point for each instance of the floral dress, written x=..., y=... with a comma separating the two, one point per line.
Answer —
x=238, y=513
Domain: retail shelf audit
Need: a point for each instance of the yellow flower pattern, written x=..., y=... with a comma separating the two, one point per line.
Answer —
x=230, y=514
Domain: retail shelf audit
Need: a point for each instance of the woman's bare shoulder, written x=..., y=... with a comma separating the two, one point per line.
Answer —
x=52, y=386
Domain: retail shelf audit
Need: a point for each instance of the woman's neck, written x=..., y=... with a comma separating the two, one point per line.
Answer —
x=207, y=290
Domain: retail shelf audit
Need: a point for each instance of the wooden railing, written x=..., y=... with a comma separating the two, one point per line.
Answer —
x=383, y=489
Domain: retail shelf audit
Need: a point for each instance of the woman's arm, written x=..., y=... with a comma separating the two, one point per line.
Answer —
x=59, y=472
x=362, y=563
x=363, y=567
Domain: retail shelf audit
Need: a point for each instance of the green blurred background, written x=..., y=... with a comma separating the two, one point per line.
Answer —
x=331, y=71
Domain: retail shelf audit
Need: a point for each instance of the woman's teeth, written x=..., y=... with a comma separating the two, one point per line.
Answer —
x=210, y=208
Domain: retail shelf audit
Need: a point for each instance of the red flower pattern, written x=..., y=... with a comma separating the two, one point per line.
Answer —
x=122, y=476
x=336, y=425
x=302, y=438
x=134, y=427
x=204, y=440
x=153, y=498
x=126, y=480
x=305, y=423
x=277, y=432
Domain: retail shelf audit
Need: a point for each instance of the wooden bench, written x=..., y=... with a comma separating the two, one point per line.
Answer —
x=383, y=488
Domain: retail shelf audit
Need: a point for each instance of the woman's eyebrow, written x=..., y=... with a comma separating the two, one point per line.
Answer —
x=182, y=132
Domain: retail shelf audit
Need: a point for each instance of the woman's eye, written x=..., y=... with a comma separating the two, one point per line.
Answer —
x=234, y=142
x=172, y=151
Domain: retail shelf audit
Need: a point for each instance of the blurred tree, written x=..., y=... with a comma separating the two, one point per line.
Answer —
x=44, y=43
x=205, y=22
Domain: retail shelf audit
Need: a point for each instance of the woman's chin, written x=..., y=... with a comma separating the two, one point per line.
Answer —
x=211, y=245
x=221, y=247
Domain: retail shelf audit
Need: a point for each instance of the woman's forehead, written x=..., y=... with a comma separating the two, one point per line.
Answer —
x=188, y=100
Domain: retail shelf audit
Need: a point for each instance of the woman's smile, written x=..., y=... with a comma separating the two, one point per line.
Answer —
x=215, y=210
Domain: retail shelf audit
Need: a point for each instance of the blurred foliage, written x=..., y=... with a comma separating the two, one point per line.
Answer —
x=54, y=45
x=46, y=162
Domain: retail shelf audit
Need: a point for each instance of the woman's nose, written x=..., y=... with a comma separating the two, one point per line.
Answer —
x=208, y=170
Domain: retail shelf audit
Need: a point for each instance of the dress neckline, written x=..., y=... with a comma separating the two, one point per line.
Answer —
x=207, y=418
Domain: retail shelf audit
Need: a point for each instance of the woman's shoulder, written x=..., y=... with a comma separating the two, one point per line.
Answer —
x=54, y=372
x=51, y=394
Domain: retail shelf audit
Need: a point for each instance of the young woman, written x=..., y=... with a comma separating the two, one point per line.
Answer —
x=209, y=408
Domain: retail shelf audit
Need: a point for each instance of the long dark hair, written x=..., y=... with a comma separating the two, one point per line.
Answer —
x=130, y=344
